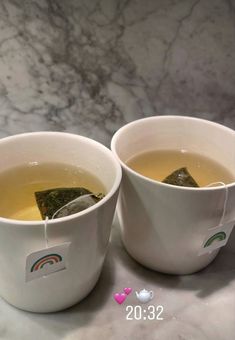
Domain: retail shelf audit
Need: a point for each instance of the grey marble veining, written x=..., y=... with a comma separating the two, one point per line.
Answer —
x=90, y=66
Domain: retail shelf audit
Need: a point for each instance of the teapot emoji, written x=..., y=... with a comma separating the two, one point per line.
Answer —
x=144, y=295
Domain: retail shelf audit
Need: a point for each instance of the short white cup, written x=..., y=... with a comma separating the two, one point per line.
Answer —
x=163, y=226
x=88, y=231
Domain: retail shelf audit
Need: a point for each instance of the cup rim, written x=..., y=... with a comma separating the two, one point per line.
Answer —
x=117, y=134
x=88, y=140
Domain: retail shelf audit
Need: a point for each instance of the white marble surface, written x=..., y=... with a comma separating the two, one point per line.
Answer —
x=88, y=67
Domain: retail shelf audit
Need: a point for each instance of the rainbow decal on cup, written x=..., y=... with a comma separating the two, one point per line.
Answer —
x=220, y=236
x=43, y=261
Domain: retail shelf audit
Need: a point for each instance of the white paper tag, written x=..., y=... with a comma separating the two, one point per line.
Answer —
x=216, y=237
x=46, y=261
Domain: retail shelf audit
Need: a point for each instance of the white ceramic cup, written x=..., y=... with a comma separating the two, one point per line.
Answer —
x=163, y=226
x=88, y=231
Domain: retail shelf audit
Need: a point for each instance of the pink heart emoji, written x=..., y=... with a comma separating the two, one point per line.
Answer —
x=127, y=290
x=120, y=297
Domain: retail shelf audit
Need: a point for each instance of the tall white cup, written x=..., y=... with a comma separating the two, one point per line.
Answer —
x=163, y=226
x=88, y=231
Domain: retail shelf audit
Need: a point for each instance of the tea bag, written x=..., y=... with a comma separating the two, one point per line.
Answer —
x=81, y=203
x=181, y=177
x=60, y=202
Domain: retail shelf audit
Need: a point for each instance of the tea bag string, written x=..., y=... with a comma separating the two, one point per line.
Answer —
x=45, y=231
x=70, y=203
x=64, y=206
x=225, y=199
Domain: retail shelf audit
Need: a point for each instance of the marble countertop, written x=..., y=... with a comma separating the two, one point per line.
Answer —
x=88, y=67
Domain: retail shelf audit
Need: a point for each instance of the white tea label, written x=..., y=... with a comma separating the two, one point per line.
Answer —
x=46, y=261
x=216, y=237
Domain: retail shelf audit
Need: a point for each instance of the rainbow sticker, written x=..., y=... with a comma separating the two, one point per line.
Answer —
x=49, y=259
x=220, y=236
x=216, y=238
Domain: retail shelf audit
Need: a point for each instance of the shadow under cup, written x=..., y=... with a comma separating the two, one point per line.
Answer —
x=163, y=226
x=88, y=231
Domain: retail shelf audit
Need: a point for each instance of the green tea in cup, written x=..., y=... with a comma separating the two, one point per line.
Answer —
x=161, y=164
x=20, y=184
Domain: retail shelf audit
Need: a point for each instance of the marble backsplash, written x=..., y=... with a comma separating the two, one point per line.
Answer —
x=90, y=66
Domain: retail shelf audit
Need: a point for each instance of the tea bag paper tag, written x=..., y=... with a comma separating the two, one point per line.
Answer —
x=46, y=261
x=216, y=237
